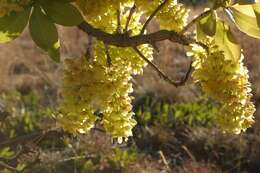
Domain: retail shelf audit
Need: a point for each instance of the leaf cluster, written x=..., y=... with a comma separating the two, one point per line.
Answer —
x=244, y=14
x=42, y=15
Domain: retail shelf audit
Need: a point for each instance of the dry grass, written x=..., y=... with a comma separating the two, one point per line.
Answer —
x=24, y=66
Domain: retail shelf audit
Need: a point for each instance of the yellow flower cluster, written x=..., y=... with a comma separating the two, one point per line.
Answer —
x=172, y=16
x=98, y=7
x=126, y=57
x=226, y=81
x=82, y=87
x=102, y=14
x=123, y=57
x=7, y=6
x=94, y=86
x=98, y=12
x=125, y=62
x=118, y=120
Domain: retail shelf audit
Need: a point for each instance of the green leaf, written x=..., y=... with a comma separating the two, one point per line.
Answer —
x=245, y=20
x=223, y=38
x=232, y=44
x=256, y=8
x=44, y=33
x=199, y=32
x=12, y=25
x=227, y=42
x=245, y=9
x=62, y=13
x=208, y=24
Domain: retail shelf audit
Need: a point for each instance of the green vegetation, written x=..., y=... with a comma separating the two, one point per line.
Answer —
x=163, y=113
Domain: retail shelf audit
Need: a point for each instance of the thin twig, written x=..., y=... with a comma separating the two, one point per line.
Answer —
x=76, y=158
x=187, y=75
x=132, y=10
x=164, y=160
x=191, y=23
x=119, y=28
x=161, y=73
x=89, y=52
x=152, y=16
x=189, y=153
x=109, y=60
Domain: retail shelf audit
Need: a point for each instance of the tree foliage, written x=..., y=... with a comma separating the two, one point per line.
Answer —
x=97, y=86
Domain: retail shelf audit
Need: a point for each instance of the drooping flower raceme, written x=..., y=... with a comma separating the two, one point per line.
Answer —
x=94, y=86
x=226, y=81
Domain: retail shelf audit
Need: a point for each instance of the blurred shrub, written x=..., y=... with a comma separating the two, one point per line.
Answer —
x=152, y=111
x=123, y=158
x=25, y=113
x=115, y=160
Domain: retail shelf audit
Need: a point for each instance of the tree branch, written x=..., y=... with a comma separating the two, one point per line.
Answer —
x=124, y=40
x=161, y=73
x=119, y=27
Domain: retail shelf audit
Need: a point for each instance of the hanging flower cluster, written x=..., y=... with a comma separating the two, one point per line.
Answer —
x=92, y=87
x=226, y=81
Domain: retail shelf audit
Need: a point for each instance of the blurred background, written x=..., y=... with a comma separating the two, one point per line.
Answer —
x=175, y=132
